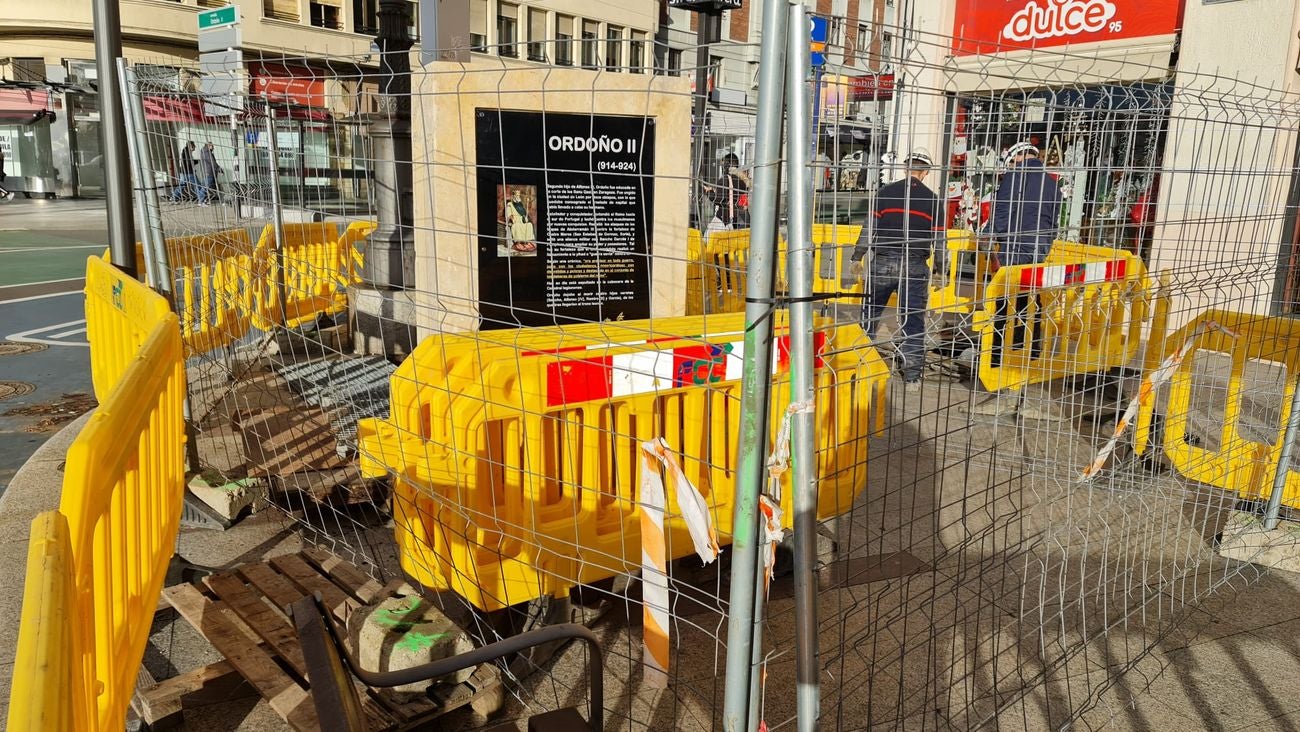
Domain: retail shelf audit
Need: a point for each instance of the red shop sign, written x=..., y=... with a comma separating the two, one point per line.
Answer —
x=872, y=87
x=990, y=26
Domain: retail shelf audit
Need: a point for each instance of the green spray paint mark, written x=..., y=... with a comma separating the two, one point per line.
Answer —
x=413, y=642
x=402, y=621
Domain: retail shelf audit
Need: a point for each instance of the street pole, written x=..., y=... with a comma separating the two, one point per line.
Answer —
x=389, y=264
x=743, y=639
x=704, y=36
x=799, y=260
x=117, y=171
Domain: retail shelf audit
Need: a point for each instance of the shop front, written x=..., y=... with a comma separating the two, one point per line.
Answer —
x=25, y=119
x=1098, y=111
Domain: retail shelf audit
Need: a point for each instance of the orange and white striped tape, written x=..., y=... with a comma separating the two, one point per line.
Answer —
x=657, y=458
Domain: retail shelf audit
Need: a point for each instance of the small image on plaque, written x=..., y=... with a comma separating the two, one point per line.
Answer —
x=517, y=224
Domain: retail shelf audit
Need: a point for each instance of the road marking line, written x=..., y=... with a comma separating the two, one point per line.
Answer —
x=27, y=337
x=67, y=333
x=41, y=297
x=13, y=250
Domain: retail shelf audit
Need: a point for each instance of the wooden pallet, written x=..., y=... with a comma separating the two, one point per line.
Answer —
x=242, y=614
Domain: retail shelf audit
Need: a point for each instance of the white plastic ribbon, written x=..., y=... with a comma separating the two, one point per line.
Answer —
x=657, y=458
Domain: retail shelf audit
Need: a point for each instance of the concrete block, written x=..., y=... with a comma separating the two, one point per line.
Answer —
x=227, y=498
x=403, y=632
x=383, y=321
x=1245, y=539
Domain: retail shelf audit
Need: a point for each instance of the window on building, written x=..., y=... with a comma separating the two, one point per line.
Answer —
x=507, y=19
x=536, y=34
x=715, y=73
x=478, y=14
x=590, y=39
x=326, y=14
x=864, y=41
x=636, y=52
x=413, y=19
x=564, y=40
x=280, y=10
x=28, y=69
x=156, y=78
x=365, y=17
x=674, y=62
x=613, y=48
x=886, y=48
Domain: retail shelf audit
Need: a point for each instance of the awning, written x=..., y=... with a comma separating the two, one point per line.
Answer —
x=723, y=122
x=174, y=109
x=23, y=105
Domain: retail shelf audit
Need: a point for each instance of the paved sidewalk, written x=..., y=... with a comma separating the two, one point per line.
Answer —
x=1233, y=666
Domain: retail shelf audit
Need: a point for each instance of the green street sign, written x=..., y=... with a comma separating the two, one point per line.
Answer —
x=219, y=17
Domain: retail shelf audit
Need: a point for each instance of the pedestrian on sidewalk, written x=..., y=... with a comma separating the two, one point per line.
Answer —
x=5, y=193
x=730, y=195
x=185, y=172
x=907, y=227
x=210, y=169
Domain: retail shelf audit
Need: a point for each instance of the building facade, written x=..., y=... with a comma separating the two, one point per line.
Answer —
x=1169, y=122
x=49, y=115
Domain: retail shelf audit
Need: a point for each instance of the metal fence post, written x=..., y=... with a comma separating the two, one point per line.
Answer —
x=742, y=625
x=146, y=198
x=117, y=171
x=1274, y=507
x=799, y=258
x=277, y=209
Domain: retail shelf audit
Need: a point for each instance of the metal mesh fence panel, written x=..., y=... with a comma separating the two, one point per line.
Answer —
x=475, y=379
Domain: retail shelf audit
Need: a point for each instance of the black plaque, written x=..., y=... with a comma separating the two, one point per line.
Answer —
x=565, y=212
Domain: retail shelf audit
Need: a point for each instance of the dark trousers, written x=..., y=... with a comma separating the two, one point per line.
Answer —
x=910, y=278
x=1007, y=311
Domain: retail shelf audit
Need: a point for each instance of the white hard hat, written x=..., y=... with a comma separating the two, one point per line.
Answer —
x=921, y=156
x=1020, y=147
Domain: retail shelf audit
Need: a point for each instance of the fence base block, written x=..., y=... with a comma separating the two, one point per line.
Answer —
x=1245, y=539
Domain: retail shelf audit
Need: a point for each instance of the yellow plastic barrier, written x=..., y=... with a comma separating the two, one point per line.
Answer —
x=717, y=270
x=1084, y=308
x=515, y=453
x=225, y=284
x=1237, y=463
x=123, y=484
x=40, y=698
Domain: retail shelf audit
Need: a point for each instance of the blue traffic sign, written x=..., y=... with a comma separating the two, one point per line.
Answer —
x=818, y=32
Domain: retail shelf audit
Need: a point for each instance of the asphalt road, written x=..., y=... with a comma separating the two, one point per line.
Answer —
x=44, y=356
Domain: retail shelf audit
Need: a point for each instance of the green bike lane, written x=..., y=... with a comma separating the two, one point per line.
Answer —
x=29, y=256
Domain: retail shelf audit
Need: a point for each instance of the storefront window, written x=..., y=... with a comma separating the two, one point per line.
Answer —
x=1103, y=144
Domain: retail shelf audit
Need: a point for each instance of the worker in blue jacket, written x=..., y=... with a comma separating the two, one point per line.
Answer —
x=1026, y=212
x=1026, y=208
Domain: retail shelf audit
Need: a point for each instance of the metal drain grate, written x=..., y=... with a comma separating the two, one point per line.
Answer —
x=10, y=389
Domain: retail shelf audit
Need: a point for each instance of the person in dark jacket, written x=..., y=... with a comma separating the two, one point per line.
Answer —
x=185, y=171
x=210, y=168
x=5, y=193
x=1025, y=222
x=901, y=238
x=1026, y=208
x=731, y=194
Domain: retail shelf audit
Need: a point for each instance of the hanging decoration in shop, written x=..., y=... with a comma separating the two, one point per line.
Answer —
x=993, y=26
